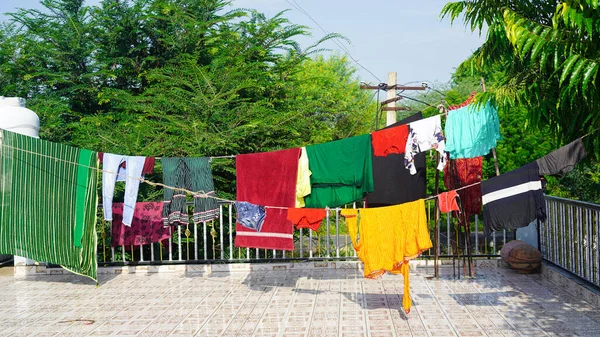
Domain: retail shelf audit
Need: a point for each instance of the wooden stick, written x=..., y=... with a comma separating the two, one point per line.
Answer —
x=494, y=149
x=391, y=94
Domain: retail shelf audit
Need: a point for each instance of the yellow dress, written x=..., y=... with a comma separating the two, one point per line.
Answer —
x=386, y=238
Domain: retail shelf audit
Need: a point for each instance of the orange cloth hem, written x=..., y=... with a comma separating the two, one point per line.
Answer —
x=310, y=218
x=447, y=201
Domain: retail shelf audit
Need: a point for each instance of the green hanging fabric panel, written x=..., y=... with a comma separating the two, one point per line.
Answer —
x=48, y=202
x=342, y=171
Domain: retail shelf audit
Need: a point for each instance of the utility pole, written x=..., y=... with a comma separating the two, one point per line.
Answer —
x=389, y=104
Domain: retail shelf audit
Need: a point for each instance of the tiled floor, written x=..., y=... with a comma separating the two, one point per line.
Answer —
x=329, y=302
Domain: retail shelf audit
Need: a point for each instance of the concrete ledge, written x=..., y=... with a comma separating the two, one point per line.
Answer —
x=477, y=262
x=571, y=284
x=7, y=271
x=182, y=269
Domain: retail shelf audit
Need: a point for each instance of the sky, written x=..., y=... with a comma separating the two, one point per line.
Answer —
x=400, y=36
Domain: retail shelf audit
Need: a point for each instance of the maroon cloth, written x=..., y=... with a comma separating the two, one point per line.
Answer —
x=148, y=163
x=146, y=227
x=268, y=179
x=462, y=172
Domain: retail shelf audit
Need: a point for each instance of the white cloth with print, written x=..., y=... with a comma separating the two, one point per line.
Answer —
x=423, y=135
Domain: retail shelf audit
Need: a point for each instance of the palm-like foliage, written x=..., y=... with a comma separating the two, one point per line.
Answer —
x=549, y=53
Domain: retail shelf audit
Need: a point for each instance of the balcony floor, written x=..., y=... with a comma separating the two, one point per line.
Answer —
x=329, y=302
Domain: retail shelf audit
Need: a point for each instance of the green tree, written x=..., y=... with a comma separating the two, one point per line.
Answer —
x=549, y=55
x=177, y=78
x=544, y=59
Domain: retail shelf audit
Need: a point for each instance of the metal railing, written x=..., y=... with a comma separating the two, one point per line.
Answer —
x=570, y=237
x=213, y=242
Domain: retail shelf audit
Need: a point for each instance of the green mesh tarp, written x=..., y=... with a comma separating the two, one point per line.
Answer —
x=48, y=202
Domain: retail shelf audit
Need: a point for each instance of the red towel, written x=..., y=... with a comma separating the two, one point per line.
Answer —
x=307, y=217
x=390, y=140
x=146, y=227
x=448, y=201
x=268, y=179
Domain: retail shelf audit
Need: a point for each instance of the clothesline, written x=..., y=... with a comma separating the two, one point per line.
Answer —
x=456, y=189
x=479, y=182
x=213, y=157
x=203, y=194
x=200, y=194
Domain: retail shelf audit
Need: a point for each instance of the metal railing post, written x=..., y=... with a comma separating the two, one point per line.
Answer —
x=230, y=232
x=337, y=233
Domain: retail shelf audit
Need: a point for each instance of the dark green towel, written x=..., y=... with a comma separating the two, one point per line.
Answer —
x=193, y=174
x=342, y=171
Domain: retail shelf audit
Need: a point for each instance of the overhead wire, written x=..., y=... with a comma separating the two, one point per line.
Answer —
x=416, y=100
x=302, y=10
x=377, y=111
x=335, y=39
x=434, y=89
x=358, y=120
x=399, y=92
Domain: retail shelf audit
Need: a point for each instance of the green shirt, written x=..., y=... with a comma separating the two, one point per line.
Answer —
x=342, y=171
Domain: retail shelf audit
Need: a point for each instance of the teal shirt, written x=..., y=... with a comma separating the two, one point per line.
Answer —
x=342, y=171
x=472, y=131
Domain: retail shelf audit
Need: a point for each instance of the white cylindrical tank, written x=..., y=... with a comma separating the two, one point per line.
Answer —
x=15, y=117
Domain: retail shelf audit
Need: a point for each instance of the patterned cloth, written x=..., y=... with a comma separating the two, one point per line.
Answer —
x=249, y=215
x=192, y=174
x=48, y=203
x=425, y=134
x=464, y=172
x=146, y=227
